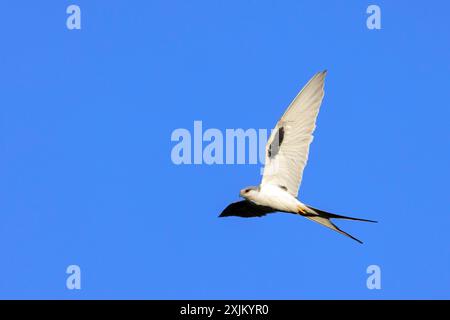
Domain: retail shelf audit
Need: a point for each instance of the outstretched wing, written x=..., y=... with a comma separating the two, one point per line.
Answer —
x=245, y=209
x=288, y=146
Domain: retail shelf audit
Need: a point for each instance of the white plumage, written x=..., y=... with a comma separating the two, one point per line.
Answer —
x=299, y=122
x=286, y=156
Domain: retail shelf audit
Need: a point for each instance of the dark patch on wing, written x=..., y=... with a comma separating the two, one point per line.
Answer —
x=283, y=187
x=245, y=209
x=274, y=147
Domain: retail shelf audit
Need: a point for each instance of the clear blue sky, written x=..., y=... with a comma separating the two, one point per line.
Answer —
x=86, y=176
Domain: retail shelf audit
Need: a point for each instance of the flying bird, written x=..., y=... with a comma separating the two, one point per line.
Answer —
x=285, y=159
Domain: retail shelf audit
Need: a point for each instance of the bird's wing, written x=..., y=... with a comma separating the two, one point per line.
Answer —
x=245, y=209
x=288, y=145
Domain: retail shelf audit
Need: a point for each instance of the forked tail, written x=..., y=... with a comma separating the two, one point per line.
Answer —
x=324, y=217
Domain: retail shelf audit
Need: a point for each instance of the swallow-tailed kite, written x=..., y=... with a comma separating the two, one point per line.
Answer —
x=286, y=156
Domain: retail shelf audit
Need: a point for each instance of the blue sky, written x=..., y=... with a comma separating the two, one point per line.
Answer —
x=86, y=176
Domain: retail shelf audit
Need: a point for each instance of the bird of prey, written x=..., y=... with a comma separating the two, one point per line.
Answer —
x=286, y=156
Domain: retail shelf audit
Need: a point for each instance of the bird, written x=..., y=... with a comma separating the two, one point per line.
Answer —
x=286, y=155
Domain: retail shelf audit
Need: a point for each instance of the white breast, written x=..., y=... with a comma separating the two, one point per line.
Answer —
x=277, y=198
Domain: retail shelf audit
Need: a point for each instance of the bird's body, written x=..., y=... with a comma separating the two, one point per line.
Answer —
x=275, y=197
x=286, y=155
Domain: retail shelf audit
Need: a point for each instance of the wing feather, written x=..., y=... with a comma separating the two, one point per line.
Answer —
x=245, y=209
x=285, y=167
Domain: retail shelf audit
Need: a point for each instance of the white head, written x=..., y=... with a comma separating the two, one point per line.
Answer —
x=249, y=193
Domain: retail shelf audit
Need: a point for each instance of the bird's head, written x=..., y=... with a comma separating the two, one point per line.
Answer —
x=249, y=192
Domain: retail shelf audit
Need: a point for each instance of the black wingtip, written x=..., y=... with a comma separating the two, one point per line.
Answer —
x=245, y=209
